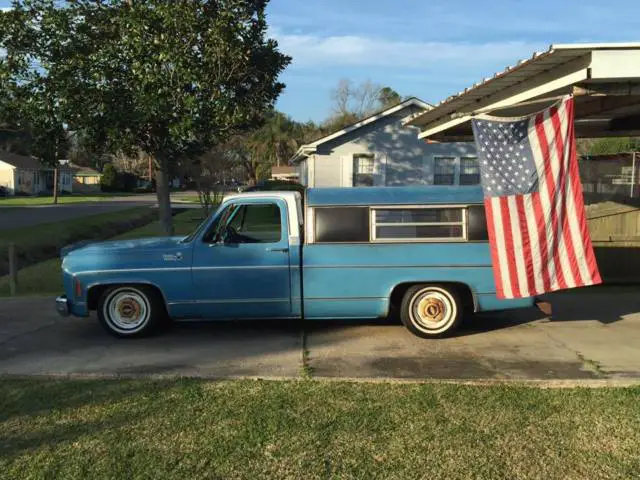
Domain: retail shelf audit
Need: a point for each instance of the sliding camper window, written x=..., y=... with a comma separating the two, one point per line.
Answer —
x=418, y=224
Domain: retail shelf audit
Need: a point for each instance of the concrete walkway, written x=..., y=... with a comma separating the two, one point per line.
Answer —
x=593, y=334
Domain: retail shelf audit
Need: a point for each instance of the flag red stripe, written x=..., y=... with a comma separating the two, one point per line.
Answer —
x=553, y=250
x=526, y=244
x=495, y=261
x=576, y=187
x=542, y=241
x=508, y=243
x=564, y=210
x=559, y=204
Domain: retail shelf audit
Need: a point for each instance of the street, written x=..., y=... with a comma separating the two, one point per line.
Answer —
x=593, y=334
x=26, y=216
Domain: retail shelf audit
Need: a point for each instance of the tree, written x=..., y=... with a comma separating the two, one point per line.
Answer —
x=208, y=173
x=171, y=79
x=359, y=100
x=352, y=102
x=607, y=146
x=109, y=180
x=388, y=97
x=32, y=35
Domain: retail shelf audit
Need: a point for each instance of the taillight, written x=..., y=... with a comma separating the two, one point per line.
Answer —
x=77, y=287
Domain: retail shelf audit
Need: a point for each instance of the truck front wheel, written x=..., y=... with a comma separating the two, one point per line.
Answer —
x=431, y=310
x=130, y=311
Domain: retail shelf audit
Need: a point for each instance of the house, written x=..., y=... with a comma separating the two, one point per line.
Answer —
x=25, y=175
x=284, y=172
x=383, y=150
x=85, y=179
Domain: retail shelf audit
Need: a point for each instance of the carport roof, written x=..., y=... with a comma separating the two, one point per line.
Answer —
x=604, y=77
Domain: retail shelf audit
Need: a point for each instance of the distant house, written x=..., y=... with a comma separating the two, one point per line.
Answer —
x=25, y=175
x=284, y=172
x=85, y=179
x=382, y=150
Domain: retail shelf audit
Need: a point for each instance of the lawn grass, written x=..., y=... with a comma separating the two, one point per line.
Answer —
x=41, y=242
x=313, y=429
x=48, y=200
x=44, y=278
x=184, y=223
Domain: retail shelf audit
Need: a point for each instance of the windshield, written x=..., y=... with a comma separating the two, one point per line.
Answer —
x=198, y=229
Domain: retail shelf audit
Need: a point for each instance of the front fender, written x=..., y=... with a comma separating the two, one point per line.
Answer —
x=171, y=288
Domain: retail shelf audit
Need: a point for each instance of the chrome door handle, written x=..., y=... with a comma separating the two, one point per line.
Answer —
x=283, y=250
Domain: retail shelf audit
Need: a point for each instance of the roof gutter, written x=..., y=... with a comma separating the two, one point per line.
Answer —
x=303, y=152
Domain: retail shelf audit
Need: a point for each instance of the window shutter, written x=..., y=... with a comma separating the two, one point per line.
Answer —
x=346, y=179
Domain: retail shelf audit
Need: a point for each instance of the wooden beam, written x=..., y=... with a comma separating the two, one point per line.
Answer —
x=632, y=122
x=610, y=89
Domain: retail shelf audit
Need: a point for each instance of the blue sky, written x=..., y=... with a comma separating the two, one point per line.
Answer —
x=426, y=48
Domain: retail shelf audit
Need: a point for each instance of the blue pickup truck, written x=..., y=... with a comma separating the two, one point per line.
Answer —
x=349, y=253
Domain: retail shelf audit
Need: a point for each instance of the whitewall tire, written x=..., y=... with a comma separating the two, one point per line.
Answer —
x=130, y=311
x=431, y=310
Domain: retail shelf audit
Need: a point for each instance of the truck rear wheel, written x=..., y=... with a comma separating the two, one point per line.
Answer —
x=130, y=311
x=431, y=310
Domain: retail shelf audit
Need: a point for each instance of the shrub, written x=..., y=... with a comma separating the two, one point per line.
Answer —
x=109, y=181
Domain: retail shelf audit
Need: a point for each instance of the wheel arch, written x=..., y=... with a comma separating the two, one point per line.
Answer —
x=95, y=290
x=465, y=292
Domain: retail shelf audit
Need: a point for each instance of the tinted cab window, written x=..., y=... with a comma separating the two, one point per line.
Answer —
x=259, y=223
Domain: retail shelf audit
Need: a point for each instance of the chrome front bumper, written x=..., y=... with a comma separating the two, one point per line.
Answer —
x=62, y=305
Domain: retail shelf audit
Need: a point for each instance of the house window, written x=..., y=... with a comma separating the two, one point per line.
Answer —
x=415, y=224
x=363, y=167
x=444, y=170
x=469, y=171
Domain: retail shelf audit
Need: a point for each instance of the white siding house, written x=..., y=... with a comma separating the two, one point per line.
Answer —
x=26, y=175
x=382, y=150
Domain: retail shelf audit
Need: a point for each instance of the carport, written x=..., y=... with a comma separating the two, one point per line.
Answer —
x=604, y=79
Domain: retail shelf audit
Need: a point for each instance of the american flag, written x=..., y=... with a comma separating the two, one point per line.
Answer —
x=533, y=200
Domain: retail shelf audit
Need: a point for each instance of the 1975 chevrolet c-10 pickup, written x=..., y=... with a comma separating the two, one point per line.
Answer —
x=350, y=253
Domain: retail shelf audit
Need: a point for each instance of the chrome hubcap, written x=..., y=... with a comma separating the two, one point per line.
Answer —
x=128, y=310
x=432, y=310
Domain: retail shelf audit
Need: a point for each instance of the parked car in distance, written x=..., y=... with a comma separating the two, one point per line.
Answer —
x=355, y=253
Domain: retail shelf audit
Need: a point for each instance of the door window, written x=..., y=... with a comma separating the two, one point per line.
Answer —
x=256, y=223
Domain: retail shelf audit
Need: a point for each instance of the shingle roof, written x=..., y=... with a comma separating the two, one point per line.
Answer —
x=23, y=161
x=20, y=161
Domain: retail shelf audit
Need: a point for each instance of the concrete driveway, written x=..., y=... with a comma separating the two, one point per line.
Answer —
x=593, y=334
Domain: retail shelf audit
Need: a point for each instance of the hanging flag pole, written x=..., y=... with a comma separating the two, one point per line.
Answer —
x=537, y=228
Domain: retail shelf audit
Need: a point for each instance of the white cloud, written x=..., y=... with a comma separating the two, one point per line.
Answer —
x=310, y=51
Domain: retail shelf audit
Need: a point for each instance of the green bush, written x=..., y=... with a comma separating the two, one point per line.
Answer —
x=109, y=181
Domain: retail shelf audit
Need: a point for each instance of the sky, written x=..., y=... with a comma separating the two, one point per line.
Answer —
x=429, y=48
x=425, y=48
